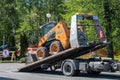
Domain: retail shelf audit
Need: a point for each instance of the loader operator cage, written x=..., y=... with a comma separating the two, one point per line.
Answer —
x=46, y=27
x=91, y=27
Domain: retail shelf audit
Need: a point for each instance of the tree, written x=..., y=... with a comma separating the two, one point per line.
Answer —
x=34, y=15
x=9, y=20
x=108, y=12
x=27, y=15
x=23, y=44
x=108, y=26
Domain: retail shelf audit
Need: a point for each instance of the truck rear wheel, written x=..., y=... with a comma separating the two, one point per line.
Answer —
x=42, y=52
x=55, y=47
x=69, y=70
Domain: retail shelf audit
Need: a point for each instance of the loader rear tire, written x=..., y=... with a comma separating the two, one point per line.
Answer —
x=55, y=47
x=42, y=52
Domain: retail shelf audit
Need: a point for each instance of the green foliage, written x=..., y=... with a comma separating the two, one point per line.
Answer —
x=34, y=14
x=25, y=16
x=8, y=20
x=108, y=12
x=23, y=44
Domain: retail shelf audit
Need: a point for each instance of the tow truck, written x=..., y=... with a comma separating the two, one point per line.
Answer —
x=61, y=48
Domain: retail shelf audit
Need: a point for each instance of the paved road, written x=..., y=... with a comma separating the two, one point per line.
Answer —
x=8, y=71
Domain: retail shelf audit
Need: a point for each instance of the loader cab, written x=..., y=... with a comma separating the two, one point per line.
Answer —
x=46, y=27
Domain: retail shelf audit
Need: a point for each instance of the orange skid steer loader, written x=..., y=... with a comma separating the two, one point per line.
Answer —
x=58, y=37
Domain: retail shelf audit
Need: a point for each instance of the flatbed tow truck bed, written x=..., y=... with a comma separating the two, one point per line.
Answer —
x=66, y=54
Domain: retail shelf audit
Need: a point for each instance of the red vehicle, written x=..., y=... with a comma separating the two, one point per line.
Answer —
x=32, y=49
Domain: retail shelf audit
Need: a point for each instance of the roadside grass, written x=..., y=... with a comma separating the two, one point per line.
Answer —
x=10, y=61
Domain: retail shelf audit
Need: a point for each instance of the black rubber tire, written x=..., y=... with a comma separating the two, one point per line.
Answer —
x=58, y=45
x=44, y=52
x=69, y=70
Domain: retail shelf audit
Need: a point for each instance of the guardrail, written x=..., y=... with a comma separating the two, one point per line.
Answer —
x=11, y=55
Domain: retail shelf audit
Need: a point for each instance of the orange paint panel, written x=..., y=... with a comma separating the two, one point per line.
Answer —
x=62, y=34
